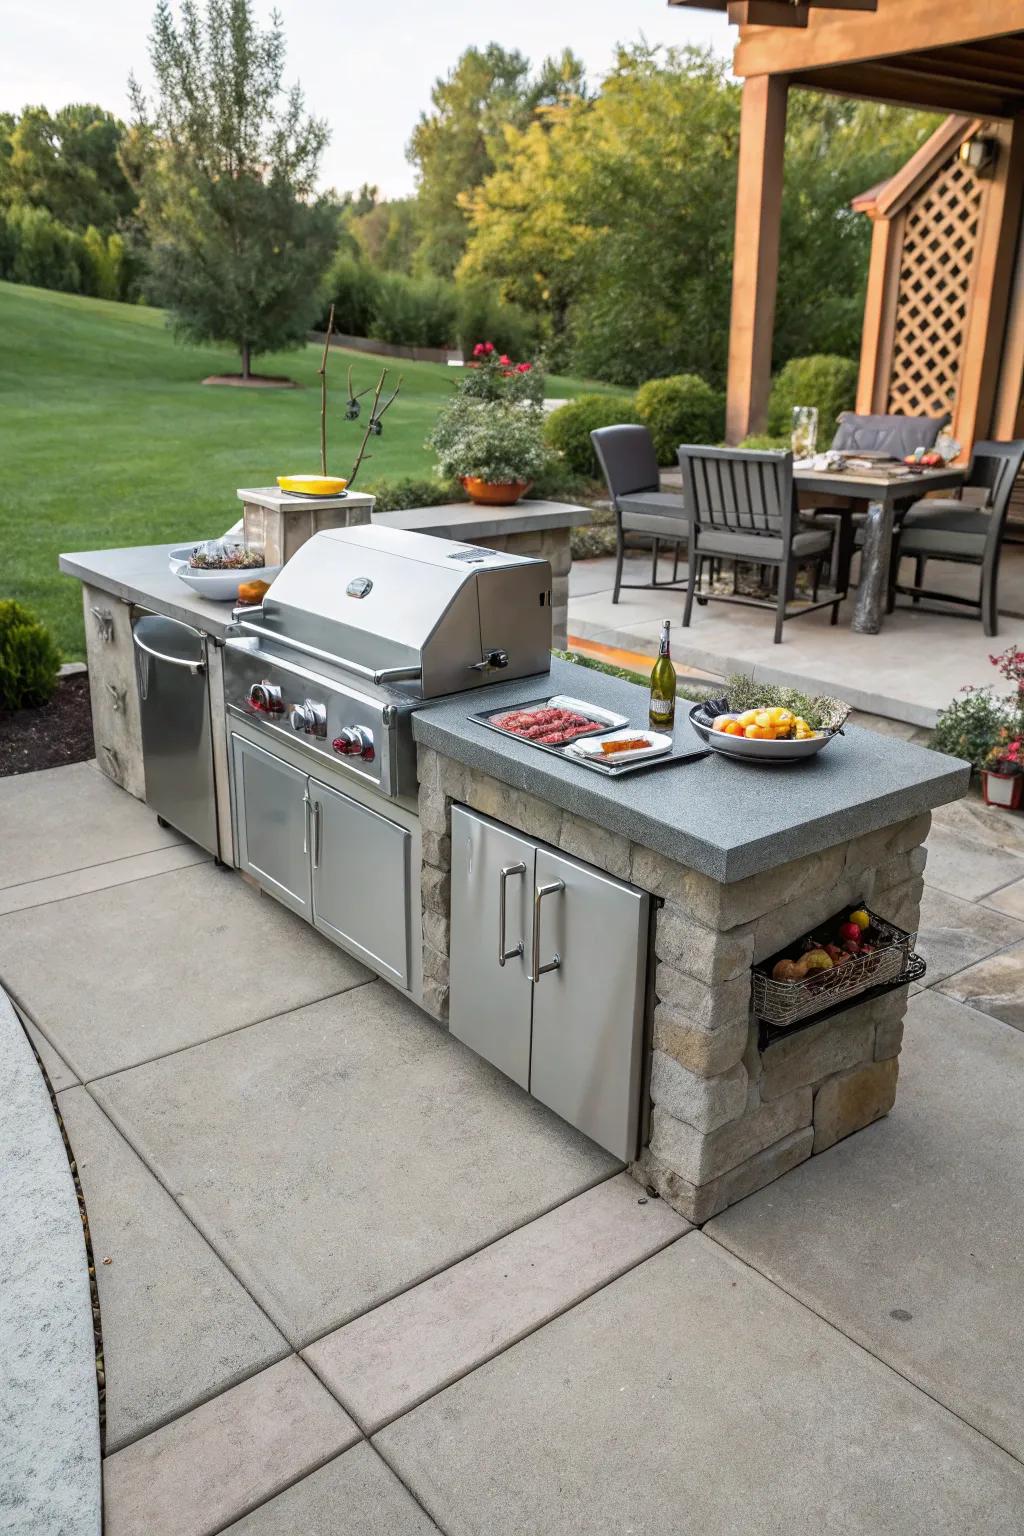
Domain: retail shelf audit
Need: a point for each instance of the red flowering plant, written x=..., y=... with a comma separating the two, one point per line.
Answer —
x=492, y=375
x=985, y=727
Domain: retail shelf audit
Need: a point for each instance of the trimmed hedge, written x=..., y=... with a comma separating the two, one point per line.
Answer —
x=568, y=429
x=830, y=383
x=680, y=409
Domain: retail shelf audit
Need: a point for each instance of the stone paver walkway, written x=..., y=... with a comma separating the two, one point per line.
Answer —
x=359, y=1284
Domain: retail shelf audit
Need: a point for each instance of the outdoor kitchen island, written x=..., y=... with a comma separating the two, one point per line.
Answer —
x=738, y=860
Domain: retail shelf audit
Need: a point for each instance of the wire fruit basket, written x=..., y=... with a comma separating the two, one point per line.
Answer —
x=892, y=961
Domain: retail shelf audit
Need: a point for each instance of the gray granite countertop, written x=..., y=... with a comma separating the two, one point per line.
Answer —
x=462, y=521
x=724, y=818
x=142, y=575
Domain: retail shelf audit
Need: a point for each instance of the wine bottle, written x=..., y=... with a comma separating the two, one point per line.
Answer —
x=663, y=685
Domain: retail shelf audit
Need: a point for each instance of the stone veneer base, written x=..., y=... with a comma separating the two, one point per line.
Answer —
x=727, y=1118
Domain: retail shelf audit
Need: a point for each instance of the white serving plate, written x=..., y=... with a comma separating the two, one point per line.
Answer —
x=591, y=747
x=747, y=749
x=218, y=586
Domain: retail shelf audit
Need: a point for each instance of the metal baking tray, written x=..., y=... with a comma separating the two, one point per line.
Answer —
x=611, y=721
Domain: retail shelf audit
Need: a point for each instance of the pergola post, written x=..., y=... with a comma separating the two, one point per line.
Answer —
x=755, y=267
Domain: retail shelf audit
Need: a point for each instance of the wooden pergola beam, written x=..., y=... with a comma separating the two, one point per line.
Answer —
x=904, y=85
x=756, y=254
x=898, y=26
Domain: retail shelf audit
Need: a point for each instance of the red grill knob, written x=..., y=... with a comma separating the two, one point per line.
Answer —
x=266, y=697
x=354, y=741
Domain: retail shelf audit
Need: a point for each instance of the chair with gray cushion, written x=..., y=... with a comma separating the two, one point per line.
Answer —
x=742, y=507
x=894, y=436
x=630, y=465
x=963, y=531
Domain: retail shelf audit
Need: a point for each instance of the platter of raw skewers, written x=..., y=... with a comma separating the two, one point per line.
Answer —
x=593, y=737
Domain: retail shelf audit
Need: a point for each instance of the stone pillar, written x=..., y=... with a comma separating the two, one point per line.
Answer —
x=727, y=1117
x=281, y=523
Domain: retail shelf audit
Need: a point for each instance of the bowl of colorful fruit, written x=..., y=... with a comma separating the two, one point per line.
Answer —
x=784, y=727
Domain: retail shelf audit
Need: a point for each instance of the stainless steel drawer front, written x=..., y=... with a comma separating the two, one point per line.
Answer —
x=490, y=1002
x=272, y=823
x=177, y=744
x=361, y=880
x=588, y=1008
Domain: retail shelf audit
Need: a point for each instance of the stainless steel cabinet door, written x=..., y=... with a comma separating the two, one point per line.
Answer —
x=489, y=1003
x=361, y=880
x=588, y=1008
x=272, y=821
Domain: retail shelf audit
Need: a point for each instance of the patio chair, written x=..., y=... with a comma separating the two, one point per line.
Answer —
x=895, y=436
x=630, y=466
x=962, y=531
x=742, y=507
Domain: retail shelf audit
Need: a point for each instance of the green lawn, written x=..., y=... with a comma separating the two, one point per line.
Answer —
x=110, y=439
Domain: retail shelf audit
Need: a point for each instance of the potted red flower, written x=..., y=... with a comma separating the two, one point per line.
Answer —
x=490, y=434
x=1002, y=778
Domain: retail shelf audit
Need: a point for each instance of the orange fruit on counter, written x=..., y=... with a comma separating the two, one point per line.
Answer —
x=760, y=732
x=734, y=728
x=722, y=722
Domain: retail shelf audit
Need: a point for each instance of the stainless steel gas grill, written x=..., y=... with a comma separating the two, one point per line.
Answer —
x=361, y=627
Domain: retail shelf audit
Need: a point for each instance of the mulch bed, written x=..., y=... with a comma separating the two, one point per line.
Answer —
x=60, y=732
x=254, y=381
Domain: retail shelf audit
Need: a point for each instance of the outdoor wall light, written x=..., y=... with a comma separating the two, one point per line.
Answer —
x=980, y=154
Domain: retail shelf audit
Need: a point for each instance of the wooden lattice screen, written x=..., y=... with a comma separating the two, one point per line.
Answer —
x=939, y=241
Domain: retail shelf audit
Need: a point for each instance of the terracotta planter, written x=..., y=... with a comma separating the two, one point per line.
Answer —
x=491, y=493
x=1002, y=789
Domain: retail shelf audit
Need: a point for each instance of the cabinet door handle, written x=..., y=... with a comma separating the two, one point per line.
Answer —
x=306, y=803
x=316, y=834
x=503, y=953
x=553, y=964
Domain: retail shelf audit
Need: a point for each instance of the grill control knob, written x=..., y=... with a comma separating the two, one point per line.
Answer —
x=266, y=697
x=355, y=741
x=310, y=718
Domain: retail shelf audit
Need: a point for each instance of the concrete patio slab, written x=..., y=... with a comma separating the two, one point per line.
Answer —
x=49, y=1411
x=994, y=986
x=342, y=1153
x=911, y=670
x=908, y=1236
x=953, y=934
x=64, y=819
x=177, y=1326
x=190, y=955
x=1009, y=900
x=99, y=877
x=690, y=1395
x=389, y=1360
x=54, y=1065
x=354, y=1495
x=220, y=1461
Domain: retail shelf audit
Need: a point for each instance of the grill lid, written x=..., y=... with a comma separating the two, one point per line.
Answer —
x=384, y=598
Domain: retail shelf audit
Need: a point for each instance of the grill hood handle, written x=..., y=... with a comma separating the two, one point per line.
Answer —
x=494, y=661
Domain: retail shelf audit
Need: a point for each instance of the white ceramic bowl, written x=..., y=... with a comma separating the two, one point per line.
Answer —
x=747, y=749
x=218, y=586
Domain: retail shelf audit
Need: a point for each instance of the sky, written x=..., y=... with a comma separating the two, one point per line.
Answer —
x=367, y=67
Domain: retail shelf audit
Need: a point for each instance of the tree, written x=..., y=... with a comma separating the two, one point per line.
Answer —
x=613, y=218
x=240, y=240
x=462, y=140
x=67, y=162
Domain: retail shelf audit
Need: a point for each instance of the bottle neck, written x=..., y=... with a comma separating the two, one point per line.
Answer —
x=663, y=649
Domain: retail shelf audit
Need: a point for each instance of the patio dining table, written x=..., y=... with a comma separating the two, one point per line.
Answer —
x=885, y=496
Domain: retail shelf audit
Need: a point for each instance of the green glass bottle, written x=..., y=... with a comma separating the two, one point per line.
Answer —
x=663, y=685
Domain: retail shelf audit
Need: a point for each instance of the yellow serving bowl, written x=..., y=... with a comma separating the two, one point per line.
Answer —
x=312, y=485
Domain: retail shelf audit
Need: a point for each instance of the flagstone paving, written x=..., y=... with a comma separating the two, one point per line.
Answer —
x=287, y=1156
